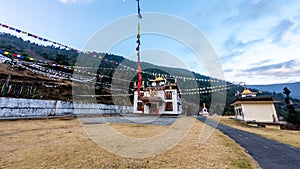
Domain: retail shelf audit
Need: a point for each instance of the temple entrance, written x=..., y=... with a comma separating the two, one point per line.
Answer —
x=153, y=108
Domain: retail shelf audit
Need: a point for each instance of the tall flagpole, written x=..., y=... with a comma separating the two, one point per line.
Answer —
x=138, y=49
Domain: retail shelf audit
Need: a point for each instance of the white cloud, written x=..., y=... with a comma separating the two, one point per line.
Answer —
x=265, y=54
x=260, y=38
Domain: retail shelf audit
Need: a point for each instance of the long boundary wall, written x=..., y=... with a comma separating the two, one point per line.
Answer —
x=16, y=107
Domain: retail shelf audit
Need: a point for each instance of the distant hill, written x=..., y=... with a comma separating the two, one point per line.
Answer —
x=278, y=88
x=106, y=69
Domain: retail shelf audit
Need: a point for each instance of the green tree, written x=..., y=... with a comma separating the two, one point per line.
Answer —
x=293, y=116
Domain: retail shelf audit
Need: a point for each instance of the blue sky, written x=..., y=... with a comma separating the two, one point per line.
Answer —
x=257, y=41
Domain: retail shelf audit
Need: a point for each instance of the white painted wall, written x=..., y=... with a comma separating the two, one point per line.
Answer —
x=16, y=107
x=259, y=112
x=135, y=98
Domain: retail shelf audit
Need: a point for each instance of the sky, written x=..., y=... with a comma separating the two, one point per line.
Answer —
x=256, y=41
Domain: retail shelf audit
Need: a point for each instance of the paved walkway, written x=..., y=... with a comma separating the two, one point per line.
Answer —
x=269, y=154
x=156, y=120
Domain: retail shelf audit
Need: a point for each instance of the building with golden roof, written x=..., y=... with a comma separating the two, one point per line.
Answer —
x=250, y=107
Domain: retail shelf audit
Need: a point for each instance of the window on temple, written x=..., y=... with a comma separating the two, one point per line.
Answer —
x=139, y=106
x=168, y=95
x=142, y=94
x=239, y=111
x=169, y=106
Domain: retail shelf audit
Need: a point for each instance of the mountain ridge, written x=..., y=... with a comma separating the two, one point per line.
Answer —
x=278, y=88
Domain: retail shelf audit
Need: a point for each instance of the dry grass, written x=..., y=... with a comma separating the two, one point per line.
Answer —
x=289, y=137
x=63, y=144
x=138, y=130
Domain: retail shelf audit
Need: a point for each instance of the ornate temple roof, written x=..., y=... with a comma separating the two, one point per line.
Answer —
x=247, y=91
x=158, y=79
x=247, y=96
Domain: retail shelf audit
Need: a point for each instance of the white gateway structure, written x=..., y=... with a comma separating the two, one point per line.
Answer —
x=160, y=97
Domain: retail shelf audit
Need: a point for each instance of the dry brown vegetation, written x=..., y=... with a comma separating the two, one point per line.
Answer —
x=28, y=78
x=290, y=137
x=18, y=74
x=59, y=143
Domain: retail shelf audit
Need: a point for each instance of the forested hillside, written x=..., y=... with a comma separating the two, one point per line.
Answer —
x=46, y=72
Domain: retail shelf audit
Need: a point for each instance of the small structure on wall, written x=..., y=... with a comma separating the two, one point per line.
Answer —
x=249, y=107
x=160, y=97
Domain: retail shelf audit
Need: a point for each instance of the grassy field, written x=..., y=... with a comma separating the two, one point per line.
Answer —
x=60, y=143
x=290, y=137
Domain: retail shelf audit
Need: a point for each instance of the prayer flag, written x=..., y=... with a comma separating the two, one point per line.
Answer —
x=139, y=10
x=2, y=88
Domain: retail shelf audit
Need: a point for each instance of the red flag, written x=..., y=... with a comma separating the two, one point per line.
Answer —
x=139, y=77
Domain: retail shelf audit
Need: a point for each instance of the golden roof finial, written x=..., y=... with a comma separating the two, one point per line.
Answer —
x=246, y=90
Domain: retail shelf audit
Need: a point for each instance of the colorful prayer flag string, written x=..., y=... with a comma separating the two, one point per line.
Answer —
x=17, y=89
x=39, y=38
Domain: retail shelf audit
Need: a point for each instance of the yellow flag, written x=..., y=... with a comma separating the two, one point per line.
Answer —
x=2, y=87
